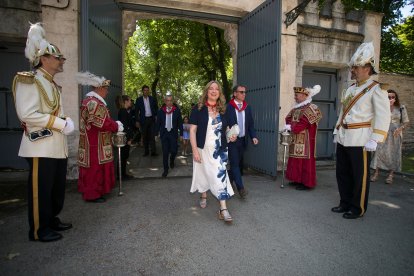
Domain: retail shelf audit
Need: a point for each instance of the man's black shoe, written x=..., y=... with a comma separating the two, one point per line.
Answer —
x=127, y=177
x=146, y=154
x=98, y=200
x=172, y=164
x=350, y=215
x=294, y=183
x=154, y=154
x=339, y=209
x=243, y=193
x=49, y=237
x=302, y=187
x=57, y=225
x=164, y=174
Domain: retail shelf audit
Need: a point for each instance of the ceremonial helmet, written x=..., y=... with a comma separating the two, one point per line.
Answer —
x=87, y=78
x=37, y=45
x=308, y=91
x=364, y=55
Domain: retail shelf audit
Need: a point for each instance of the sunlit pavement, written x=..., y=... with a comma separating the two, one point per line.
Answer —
x=157, y=228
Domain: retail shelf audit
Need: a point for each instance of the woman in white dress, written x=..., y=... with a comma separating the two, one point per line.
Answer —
x=208, y=142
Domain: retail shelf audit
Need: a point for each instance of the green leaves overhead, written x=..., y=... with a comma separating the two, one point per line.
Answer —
x=176, y=56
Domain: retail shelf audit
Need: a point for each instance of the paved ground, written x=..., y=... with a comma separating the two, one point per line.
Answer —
x=157, y=228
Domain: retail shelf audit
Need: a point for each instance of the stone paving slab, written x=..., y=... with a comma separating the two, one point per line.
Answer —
x=157, y=228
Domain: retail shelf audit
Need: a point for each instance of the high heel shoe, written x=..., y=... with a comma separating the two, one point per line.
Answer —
x=203, y=202
x=388, y=180
x=374, y=177
x=223, y=214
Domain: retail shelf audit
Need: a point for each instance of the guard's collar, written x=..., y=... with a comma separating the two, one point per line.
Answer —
x=94, y=94
x=46, y=74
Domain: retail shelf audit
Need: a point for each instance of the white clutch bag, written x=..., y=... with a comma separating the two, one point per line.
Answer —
x=234, y=130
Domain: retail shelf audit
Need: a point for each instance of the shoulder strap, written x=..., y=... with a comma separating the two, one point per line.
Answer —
x=354, y=100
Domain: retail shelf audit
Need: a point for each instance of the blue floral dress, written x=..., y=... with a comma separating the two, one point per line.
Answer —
x=211, y=173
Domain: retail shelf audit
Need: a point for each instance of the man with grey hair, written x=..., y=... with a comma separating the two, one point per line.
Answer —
x=169, y=122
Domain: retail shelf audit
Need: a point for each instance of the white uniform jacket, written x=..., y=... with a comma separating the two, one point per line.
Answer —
x=368, y=118
x=39, y=106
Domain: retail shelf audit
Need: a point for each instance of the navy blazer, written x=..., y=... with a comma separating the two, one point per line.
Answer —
x=200, y=119
x=177, y=123
x=248, y=120
x=140, y=108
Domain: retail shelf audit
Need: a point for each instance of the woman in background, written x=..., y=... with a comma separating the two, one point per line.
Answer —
x=388, y=154
x=124, y=105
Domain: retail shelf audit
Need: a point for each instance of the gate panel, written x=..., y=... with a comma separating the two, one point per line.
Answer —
x=258, y=64
x=326, y=101
x=102, y=44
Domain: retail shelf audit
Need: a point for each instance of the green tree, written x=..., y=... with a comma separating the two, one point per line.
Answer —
x=176, y=56
x=396, y=41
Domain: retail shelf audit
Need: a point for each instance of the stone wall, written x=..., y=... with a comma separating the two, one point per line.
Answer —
x=61, y=24
x=403, y=85
x=18, y=14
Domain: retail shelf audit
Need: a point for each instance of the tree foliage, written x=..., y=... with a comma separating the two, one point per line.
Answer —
x=395, y=38
x=176, y=56
x=398, y=54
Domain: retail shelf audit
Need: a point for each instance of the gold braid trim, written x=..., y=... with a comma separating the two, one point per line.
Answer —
x=54, y=104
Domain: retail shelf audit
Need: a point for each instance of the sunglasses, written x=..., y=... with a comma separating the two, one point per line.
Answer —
x=242, y=92
x=60, y=58
x=391, y=97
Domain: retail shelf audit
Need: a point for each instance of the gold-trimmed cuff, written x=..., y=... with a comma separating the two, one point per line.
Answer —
x=378, y=131
x=51, y=121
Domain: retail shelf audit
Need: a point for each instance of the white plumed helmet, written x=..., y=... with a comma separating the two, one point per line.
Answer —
x=364, y=55
x=37, y=45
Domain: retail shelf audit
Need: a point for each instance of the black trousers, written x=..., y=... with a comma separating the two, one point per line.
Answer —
x=148, y=134
x=46, y=193
x=169, y=148
x=352, y=175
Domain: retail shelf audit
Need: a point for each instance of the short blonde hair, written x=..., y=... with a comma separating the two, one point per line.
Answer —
x=221, y=101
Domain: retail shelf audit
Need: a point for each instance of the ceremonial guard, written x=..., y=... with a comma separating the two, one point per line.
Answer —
x=239, y=113
x=38, y=104
x=302, y=121
x=95, y=154
x=363, y=122
x=169, y=122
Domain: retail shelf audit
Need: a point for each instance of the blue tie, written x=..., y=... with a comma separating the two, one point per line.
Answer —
x=240, y=121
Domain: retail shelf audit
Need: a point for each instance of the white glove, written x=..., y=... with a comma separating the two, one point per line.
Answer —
x=69, y=127
x=335, y=139
x=288, y=127
x=120, y=126
x=371, y=145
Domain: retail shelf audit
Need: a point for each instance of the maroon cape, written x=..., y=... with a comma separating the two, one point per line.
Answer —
x=95, y=155
x=301, y=164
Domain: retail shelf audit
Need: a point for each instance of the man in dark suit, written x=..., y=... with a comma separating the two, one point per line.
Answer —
x=238, y=112
x=169, y=122
x=146, y=108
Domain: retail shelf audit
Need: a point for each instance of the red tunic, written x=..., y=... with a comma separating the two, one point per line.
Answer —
x=95, y=155
x=301, y=164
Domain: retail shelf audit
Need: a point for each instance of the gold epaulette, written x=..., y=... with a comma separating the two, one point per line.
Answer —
x=25, y=77
x=312, y=113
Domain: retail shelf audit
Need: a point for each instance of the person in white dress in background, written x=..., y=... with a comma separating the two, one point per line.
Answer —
x=208, y=142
